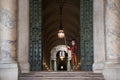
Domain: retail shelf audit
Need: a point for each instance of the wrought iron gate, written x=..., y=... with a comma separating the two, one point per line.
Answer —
x=35, y=52
x=86, y=34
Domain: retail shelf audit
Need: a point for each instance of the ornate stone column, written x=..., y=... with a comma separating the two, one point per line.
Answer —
x=112, y=18
x=69, y=59
x=68, y=65
x=55, y=65
x=8, y=65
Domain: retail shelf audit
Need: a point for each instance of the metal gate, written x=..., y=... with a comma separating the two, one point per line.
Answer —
x=35, y=50
x=86, y=34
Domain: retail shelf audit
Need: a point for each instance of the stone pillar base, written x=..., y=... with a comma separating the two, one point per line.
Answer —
x=24, y=67
x=98, y=67
x=112, y=72
x=68, y=66
x=9, y=71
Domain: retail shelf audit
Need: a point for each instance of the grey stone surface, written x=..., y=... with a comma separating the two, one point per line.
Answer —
x=9, y=71
x=61, y=76
x=23, y=35
x=99, y=36
x=112, y=65
x=8, y=54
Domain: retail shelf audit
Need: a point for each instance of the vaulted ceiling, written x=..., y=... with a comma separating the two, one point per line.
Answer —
x=50, y=22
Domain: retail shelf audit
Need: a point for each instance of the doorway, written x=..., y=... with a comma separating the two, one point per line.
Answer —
x=62, y=58
x=43, y=31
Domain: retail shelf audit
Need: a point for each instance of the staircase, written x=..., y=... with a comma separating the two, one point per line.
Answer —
x=61, y=76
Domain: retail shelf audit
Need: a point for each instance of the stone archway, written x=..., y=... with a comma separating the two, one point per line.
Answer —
x=54, y=52
x=62, y=59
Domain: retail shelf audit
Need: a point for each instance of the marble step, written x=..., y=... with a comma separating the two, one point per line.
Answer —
x=58, y=74
x=61, y=76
